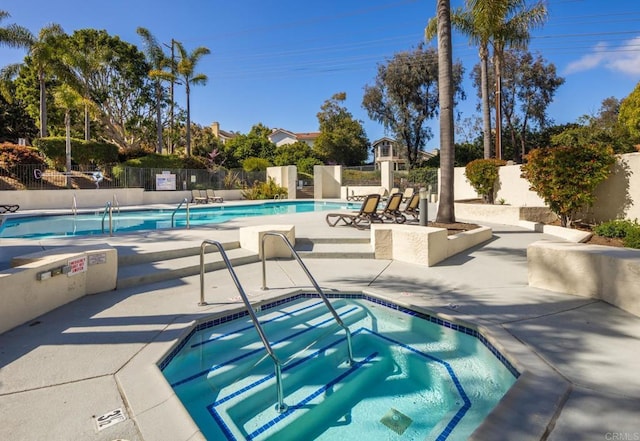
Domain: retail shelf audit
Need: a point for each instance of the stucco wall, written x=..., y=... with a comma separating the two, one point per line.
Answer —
x=617, y=197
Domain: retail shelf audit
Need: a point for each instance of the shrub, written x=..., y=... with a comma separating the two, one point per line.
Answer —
x=483, y=175
x=83, y=152
x=632, y=239
x=255, y=164
x=20, y=161
x=424, y=176
x=264, y=190
x=628, y=231
x=566, y=177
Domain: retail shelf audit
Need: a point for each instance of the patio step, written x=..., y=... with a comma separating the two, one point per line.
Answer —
x=335, y=248
x=177, y=267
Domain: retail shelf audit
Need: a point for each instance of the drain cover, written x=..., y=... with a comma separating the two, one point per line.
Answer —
x=396, y=421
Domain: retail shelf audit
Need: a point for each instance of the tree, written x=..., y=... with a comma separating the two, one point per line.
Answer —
x=69, y=99
x=566, y=177
x=253, y=145
x=342, y=139
x=405, y=96
x=446, y=87
x=483, y=174
x=508, y=22
x=528, y=88
x=15, y=122
x=112, y=77
x=157, y=62
x=629, y=114
x=13, y=36
x=469, y=24
x=186, y=70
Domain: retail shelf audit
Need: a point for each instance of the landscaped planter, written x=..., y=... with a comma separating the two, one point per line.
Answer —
x=502, y=214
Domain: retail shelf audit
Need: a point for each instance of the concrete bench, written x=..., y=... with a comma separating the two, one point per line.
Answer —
x=251, y=238
x=606, y=273
x=422, y=245
x=43, y=281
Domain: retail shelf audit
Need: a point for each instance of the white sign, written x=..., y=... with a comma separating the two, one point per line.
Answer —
x=111, y=418
x=165, y=181
x=77, y=266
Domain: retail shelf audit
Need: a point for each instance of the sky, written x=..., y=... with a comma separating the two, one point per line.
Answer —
x=276, y=62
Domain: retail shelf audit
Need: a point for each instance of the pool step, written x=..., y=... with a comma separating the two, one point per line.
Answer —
x=169, y=268
x=334, y=248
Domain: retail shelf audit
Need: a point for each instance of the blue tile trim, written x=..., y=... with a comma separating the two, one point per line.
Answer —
x=357, y=296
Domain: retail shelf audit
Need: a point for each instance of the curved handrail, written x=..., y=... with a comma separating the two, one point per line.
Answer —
x=114, y=201
x=184, y=201
x=311, y=279
x=280, y=406
x=108, y=210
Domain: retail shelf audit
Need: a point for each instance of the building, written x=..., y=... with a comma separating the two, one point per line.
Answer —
x=387, y=149
x=222, y=135
x=283, y=137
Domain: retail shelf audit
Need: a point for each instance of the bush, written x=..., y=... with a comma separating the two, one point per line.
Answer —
x=483, y=176
x=264, y=190
x=20, y=161
x=632, y=239
x=85, y=153
x=628, y=231
x=566, y=177
x=424, y=176
x=255, y=164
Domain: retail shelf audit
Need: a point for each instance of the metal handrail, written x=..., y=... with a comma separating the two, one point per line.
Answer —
x=280, y=405
x=74, y=206
x=108, y=210
x=114, y=201
x=184, y=201
x=311, y=279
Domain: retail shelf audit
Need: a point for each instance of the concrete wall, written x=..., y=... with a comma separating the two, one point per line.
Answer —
x=63, y=199
x=285, y=177
x=70, y=273
x=617, y=197
x=606, y=273
x=326, y=181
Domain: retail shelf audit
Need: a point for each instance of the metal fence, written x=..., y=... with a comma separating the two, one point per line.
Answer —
x=361, y=175
x=416, y=178
x=35, y=177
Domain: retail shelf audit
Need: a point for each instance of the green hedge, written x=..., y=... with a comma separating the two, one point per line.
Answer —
x=84, y=153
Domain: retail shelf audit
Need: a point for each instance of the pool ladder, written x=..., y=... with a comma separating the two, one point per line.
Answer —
x=280, y=405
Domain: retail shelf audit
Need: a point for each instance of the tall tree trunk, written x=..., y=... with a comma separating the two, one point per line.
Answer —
x=43, y=106
x=67, y=125
x=188, y=150
x=87, y=134
x=446, y=213
x=498, y=69
x=486, y=112
x=159, y=117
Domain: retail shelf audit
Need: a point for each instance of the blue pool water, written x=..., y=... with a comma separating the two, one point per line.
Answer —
x=84, y=224
x=415, y=376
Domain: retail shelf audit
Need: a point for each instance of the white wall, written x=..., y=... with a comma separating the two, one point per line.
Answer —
x=286, y=177
x=326, y=181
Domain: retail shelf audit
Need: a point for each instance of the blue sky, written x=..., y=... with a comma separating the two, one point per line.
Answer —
x=276, y=62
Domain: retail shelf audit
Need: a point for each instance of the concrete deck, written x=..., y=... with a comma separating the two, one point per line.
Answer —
x=62, y=370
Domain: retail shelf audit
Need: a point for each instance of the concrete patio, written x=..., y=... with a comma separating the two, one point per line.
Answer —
x=64, y=369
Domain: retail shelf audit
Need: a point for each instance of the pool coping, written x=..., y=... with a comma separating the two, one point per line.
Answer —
x=529, y=409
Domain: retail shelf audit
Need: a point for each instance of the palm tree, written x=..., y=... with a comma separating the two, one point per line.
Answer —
x=185, y=69
x=157, y=61
x=67, y=98
x=446, y=213
x=14, y=36
x=508, y=22
x=42, y=53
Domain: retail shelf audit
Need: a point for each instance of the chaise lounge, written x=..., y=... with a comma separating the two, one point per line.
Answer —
x=368, y=213
x=392, y=210
x=211, y=196
x=9, y=208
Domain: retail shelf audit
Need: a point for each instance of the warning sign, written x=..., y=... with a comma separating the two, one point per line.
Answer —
x=76, y=266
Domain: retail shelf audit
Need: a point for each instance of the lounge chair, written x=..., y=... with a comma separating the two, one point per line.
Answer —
x=198, y=198
x=412, y=206
x=408, y=192
x=9, y=208
x=211, y=196
x=392, y=210
x=368, y=213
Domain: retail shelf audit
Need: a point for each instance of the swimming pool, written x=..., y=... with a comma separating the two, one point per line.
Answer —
x=91, y=223
x=415, y=376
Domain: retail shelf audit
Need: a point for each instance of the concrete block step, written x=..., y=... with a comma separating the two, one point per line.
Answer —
x=161, y=270
x=169, y=250
x=335, y=251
